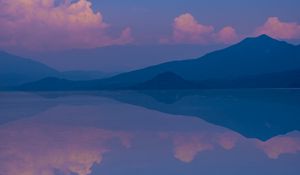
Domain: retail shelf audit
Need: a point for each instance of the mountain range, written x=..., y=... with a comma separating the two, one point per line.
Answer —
x=128, y=57
x=260, y=62
x=15, y=71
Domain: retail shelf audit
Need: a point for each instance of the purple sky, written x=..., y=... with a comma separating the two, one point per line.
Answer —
x=41, y=27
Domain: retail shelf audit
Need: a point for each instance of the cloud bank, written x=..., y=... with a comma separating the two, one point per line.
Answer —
x=51, y=24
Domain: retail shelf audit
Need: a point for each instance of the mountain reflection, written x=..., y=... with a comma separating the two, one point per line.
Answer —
x=258, y=113
x=86, y=134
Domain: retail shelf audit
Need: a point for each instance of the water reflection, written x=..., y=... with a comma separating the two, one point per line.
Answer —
x=280, y=145
x=34, y=148
x=187, y=146
x=81, y=134
x=261, y=114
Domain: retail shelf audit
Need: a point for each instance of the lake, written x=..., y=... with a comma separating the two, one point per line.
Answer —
x=209, y=132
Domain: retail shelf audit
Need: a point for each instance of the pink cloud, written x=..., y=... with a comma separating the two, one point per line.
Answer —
x=227, y=35
x=228, y=140
x=278, y=29
x=279, y=145
x=38, y=148
x=44, y=25
x=186, y=29
x=189, y=145
x=186, y=147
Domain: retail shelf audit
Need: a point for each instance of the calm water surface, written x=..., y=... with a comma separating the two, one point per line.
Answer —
x=151, y=133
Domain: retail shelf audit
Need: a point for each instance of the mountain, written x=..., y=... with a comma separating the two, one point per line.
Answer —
x=49, y=84
x=166, y=80
x=128, y=57
x=251, y=57
x=85, y=75
x=260, y=62
x=16, y=70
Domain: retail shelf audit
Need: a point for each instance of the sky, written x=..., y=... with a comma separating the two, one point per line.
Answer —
x=48, y=26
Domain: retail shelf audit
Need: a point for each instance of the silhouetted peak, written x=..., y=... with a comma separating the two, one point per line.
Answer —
x=262, y=41
x=265, y=37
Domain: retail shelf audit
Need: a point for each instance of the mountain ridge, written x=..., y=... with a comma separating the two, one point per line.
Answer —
x=247, y=60
x=217, y=61
x=16, y=70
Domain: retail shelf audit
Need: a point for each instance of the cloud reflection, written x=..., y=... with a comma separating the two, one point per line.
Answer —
x=188, y=145
x=35, y=147
x=42, y=149
x=280, y=145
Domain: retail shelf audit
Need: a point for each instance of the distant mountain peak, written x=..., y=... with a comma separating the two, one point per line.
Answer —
x=262, y=42
x=261, y=39
x=264, y=36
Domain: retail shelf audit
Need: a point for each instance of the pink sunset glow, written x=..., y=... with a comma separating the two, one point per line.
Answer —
x=186, y=29
x=42, y=25
x=280, y=145
x=276, y=28
x=39, y=148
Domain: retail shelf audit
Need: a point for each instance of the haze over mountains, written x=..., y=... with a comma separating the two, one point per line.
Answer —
x=120, y=58
x=260, y=62
x=15, y=70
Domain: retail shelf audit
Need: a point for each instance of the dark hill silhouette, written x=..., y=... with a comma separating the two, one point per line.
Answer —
x=250, y=57
x=166, y=80
x=49, y=84
x=16, y=70
x=260, y=62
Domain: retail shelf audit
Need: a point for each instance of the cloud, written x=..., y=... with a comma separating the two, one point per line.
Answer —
x=227, y=35
x=279, y=145
x=228, y=140
x=278, y=29
x=36, y=148
x=46, y=24
x=186, y=29
x=189, y=145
